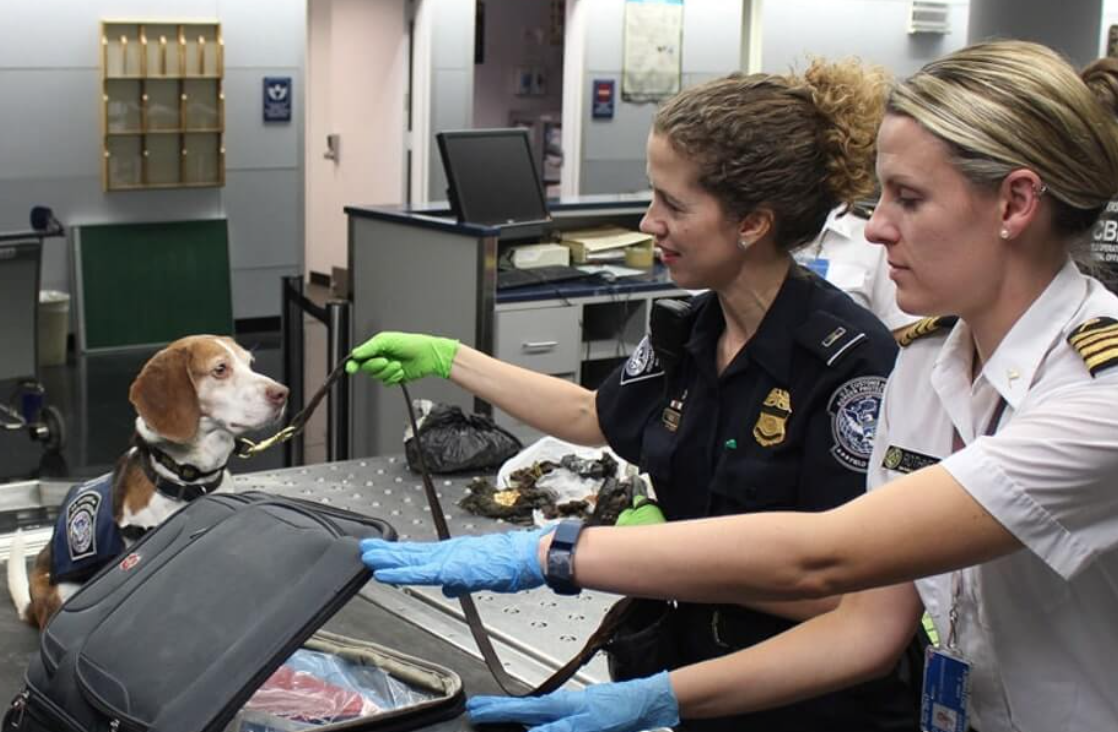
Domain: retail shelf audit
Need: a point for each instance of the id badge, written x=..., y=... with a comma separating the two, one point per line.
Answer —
x=818, y=266
x=943, y=705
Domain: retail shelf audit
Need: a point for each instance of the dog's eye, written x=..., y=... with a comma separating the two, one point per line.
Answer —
x=220, y=371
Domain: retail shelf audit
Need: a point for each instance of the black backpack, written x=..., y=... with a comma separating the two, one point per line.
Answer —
x=177, y=634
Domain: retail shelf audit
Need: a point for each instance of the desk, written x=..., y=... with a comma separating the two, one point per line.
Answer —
x=421, y=271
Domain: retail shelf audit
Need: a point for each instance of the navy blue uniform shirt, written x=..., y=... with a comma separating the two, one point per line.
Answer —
x=787, y=426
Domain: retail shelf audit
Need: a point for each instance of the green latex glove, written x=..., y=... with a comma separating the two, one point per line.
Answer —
x=397, y=358
x=643, y=512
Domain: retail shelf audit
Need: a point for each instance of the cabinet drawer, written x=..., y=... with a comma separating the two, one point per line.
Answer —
x=545, y=339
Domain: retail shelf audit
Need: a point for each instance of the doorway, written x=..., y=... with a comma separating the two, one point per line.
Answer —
x=518, y=75
x=357, y=75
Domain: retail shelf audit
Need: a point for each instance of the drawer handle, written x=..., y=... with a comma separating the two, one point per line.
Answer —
x=539, y=346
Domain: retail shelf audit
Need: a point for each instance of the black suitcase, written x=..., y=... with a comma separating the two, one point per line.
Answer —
x=180, y=632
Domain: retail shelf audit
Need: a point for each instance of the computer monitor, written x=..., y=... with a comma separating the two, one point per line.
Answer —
x=492, y=177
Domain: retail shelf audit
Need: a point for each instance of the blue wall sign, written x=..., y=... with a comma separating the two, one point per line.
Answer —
x=277, y=98
x=601, y=105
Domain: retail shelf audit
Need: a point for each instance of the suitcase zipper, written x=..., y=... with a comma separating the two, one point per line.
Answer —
x=116, y=719
x=28, y=706
x=19, y=706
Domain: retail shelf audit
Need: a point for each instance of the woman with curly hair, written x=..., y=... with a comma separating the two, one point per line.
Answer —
x=772, y=399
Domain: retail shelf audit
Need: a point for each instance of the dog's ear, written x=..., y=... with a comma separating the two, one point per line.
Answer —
x=164, y=395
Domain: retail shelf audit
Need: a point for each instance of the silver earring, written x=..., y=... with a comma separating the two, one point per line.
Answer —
x=1004, y=233
x=744, y=244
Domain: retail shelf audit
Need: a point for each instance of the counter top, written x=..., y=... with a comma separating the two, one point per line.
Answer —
x=437, y=214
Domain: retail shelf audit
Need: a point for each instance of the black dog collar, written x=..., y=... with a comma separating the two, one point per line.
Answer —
x=187, y=491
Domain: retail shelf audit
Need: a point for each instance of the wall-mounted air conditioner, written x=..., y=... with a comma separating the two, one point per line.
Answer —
x=928, y=16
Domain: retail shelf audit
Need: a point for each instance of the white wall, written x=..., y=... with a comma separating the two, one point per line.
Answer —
x=442, y=87
x=357, y=77
x=612, y=151
x=612, y=158
x=50, y=144
x=874, y=30
x=1109, y=18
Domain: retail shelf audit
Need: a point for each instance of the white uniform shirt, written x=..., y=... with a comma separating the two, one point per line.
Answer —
x=842, y=256
x=1040, y=626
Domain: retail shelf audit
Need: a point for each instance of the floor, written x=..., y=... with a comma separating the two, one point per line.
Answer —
x=91, y=392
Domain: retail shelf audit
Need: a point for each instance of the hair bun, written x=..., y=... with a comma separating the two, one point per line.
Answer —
x=851, y=98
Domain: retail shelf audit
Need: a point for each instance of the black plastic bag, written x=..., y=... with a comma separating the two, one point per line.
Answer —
x=455, y=442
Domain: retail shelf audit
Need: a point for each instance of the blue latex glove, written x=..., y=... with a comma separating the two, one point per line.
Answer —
x=507, y=562
x=625, y=706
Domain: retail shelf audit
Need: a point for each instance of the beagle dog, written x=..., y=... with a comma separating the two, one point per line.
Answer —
x=194, y=399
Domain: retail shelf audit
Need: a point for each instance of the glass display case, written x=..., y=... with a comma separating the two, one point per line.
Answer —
x=163, y=104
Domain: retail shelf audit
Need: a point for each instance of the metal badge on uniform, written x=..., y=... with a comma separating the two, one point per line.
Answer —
x=906, y=461
x=772, y=421
x=833, y=336
x=943, y=704
x=673, y=413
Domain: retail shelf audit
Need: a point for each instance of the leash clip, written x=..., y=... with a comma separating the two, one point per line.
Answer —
x=246, y=448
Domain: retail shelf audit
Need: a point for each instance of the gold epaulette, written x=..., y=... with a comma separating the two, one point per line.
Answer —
x=1096, y=342
x=924, y=327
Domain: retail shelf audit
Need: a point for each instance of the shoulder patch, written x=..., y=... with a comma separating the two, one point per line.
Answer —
x=642, y=365
x=829, y=338
x=925, y=327
x=85, y=536
x=1096, y=342
x=854, y=409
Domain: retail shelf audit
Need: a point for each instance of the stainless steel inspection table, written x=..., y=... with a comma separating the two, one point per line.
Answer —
x=535, y=632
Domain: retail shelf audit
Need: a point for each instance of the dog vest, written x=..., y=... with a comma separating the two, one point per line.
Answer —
x=86, y=537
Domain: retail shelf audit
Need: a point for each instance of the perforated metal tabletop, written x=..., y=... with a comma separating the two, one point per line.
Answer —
x=535, y=632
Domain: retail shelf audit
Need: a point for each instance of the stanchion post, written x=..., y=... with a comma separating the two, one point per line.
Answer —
x=337, y=400
x=291, y=316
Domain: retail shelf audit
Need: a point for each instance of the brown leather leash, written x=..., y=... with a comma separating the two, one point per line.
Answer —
x=247, y=448
x=507, y=682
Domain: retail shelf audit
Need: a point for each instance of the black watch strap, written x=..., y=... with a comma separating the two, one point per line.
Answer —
x=560, y=573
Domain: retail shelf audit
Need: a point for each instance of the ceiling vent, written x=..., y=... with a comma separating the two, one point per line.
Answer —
x=927, y=16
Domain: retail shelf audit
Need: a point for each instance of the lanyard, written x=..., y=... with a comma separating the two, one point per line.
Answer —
x=957, y=444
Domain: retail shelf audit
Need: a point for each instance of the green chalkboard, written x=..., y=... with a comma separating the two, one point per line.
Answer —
x=142, y=284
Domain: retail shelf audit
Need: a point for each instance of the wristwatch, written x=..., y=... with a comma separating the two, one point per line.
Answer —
x=561, y=558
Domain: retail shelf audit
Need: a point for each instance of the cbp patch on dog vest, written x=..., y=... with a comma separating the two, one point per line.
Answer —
x=1096, y=342
x=854, y=408
x=85, y=537
x=642, y=365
